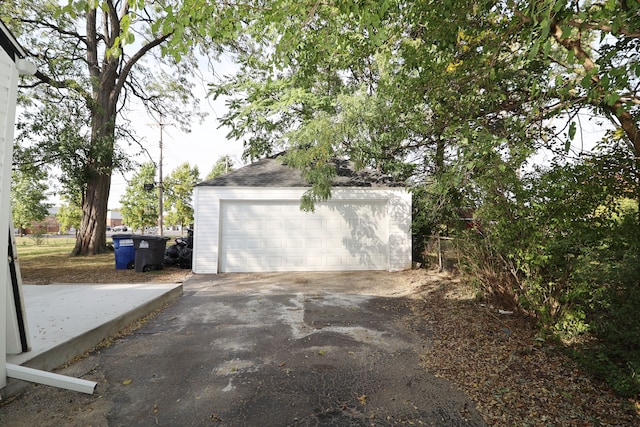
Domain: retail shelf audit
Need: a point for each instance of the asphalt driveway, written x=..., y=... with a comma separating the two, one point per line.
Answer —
x=303, y=349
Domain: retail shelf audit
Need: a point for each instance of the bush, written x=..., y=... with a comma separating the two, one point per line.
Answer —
x=564, y=248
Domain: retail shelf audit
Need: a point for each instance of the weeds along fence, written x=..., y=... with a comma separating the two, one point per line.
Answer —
x=476, y=262
x=44, y=240
x=439, y=252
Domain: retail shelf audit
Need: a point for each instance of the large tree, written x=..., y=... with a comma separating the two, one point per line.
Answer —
x=94, y=57
x=457, y=96
x=434, y=82
x=592, y=48
x=223, y=165
x=178, y=189
x=140, y=203
x=28, y=197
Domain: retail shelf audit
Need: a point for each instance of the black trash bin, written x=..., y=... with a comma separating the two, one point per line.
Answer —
x=124, y=251
x=149, y=252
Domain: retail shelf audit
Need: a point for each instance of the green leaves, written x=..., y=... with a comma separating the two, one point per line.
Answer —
x=223, y=165
x=69, y=215
x=178, y=190
x=456, y=98
x=29, y=192
x=139, y=207
x=572, y=131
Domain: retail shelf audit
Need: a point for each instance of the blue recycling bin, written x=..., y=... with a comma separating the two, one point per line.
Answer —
x=125, y=251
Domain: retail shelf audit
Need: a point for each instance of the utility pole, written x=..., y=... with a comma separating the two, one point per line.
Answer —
x=161, y=124
x=160, y=185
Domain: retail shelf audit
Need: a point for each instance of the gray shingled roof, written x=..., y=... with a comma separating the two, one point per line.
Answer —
x=271, y=172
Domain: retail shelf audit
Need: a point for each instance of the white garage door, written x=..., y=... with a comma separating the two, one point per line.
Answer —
x=278, y=236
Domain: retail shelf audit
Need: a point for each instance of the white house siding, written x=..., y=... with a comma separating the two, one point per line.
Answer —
x=356, y=229
x=8, y=87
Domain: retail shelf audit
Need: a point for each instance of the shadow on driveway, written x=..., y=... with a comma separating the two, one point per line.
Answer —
x=301, y=349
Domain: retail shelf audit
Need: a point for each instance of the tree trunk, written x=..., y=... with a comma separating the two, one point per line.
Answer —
x=439, y=157
x=92, y=237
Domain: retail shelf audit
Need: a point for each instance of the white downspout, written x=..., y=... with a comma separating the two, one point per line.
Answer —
x=47, y=378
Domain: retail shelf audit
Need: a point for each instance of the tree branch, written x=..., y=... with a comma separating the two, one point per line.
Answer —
x=626, y=120
x=59, y=84
x=92, y=46
x=55, y=28
x=115, y=19
x=128, y=66
x=575, y=23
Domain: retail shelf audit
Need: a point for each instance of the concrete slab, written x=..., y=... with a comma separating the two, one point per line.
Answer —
x=65, y=321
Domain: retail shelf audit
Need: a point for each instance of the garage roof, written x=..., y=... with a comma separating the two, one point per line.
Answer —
x=271, y=172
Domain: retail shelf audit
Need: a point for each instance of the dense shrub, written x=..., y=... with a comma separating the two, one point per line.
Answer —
x=565, y=249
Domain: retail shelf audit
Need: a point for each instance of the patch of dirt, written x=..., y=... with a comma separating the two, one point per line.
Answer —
x=515, y=378
x=50, y=406
x=101, y=274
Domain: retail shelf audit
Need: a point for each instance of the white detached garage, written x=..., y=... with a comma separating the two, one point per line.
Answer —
x=249, y=220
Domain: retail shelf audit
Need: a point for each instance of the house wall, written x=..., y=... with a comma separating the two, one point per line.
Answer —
x=113, y=222
x=8, y=94
x=114, y=219
x=207, y=219
x=49, y=225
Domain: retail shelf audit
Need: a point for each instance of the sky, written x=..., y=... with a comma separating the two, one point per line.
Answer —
x=203, y=146
x=590, y=131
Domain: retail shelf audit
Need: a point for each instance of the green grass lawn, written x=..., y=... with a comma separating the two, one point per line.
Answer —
x=29, y=246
